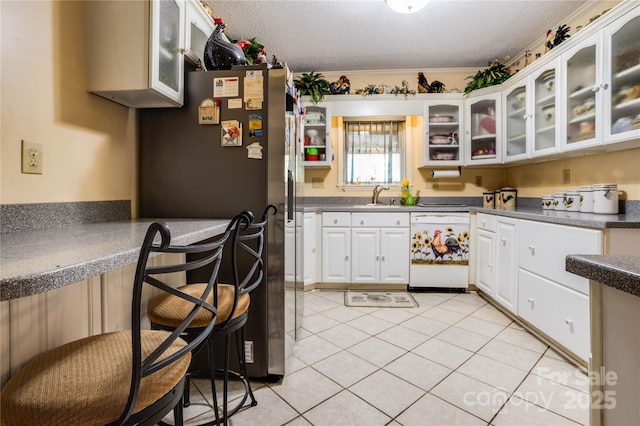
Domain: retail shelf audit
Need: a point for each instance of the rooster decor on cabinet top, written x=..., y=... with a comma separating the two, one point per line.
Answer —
x=424, y=86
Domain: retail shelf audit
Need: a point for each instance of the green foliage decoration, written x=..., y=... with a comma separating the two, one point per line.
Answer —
x=312, y=84
x=496, y=73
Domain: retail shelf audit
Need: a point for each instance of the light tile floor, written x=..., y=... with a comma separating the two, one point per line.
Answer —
x=454, y=360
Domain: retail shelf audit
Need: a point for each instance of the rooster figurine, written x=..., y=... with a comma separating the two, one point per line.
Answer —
x=440, y=250
x=340, y=87
x=425, y=87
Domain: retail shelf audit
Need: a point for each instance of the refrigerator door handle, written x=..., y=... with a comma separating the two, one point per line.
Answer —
x=290, y=195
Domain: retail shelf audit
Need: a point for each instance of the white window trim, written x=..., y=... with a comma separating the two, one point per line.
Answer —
x=408, y=151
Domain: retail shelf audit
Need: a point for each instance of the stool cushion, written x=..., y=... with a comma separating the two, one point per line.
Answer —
x=86, y=382
x=169, y=311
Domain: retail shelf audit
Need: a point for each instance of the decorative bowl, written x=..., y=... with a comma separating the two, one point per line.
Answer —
x=549, y=112
x=438, y=118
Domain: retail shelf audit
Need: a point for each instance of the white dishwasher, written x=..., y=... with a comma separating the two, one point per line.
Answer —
x=439, y=250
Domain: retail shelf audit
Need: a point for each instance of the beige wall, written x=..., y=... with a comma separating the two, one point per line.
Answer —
x=88, y=142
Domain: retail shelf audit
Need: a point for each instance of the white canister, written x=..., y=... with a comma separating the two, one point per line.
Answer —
x=547, y=202
x=558, y=201
x=572, y=200
x=508, y=198
x=586, y=199
x=489, y=199
x=605, y=198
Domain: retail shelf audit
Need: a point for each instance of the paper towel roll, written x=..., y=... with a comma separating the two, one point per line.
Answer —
x=445, y=173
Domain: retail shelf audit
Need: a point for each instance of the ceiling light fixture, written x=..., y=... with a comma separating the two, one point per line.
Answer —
x=406, y=6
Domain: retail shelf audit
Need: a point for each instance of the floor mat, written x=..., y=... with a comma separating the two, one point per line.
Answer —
x=380, y=299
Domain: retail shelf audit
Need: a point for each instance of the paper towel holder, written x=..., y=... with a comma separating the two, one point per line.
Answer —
x=447, y=173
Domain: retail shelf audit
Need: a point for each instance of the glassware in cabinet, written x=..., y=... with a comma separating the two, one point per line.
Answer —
x=622, y=102
x=443, y=128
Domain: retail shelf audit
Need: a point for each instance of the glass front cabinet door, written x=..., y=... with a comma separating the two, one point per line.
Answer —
x=198, y=28
x=545, y=96
x=316, y=146
x=167, y=42
x=482, y=118
x=517, y=118
x=622, y=70
x=443, y=131
x=583, y=85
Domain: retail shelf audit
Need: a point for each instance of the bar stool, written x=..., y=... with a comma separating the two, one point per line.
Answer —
x=232, y=300
x=126, y=377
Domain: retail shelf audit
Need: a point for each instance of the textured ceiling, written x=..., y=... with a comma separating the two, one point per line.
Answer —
x=345, y=35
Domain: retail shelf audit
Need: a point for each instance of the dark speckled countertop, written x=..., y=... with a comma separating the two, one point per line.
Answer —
x=617, y=271
x=36, y=261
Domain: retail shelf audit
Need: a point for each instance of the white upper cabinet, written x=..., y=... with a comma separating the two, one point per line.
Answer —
x=316, y=147
x=482, y=121
x=197, y=31
x=583, y=88
x=135, y=51
x=622, y=73
x=530, y=114
x=518, y=117
x=443, y=133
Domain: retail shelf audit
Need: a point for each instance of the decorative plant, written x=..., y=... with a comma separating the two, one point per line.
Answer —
x=371, y=89
x=312, y=84
x=406, y=198
x=496, y=73
x=404, y=90
x=251, y=49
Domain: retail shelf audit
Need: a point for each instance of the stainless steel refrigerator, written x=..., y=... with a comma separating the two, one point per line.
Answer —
x=188, y=169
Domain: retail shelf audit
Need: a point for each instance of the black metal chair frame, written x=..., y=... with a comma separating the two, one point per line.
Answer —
x=148, y=274
x=243, y=230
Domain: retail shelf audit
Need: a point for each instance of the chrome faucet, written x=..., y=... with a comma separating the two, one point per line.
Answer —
x=376, y=193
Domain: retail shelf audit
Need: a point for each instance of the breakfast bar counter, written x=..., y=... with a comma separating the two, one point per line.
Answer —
x=37, y=261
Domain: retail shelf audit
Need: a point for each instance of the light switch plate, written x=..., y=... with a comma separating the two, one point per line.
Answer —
x=32, y=158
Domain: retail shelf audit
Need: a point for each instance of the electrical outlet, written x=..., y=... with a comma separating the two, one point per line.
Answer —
x=317, y=183
x=478, y=180
x=32, y=158
x=566, y=176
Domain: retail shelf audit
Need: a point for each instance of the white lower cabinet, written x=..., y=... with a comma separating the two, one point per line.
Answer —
x=365, y=248
x=506, y=289
x=521, y=265
x=309, y=248
x=557, y=311
x=544, y=247
x=336, y=247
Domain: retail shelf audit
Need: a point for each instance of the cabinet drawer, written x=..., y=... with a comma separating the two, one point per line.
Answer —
x=486, y=222
x=380, y=219
x=543, y=248
x=336, y=219
x=557, y=311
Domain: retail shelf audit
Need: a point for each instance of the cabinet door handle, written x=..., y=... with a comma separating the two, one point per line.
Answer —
x=503, y=241
x=569, y=321
x=377, y=257
x=335, y=221
x=398, y=222
x=531, y=300
x=313, y=250
x=362, y=222
x=490, y=266
x=595, y=88
x=346, y=257
x=382, y=258
x=532, y=249
x=484, y=223
x=604, y=86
